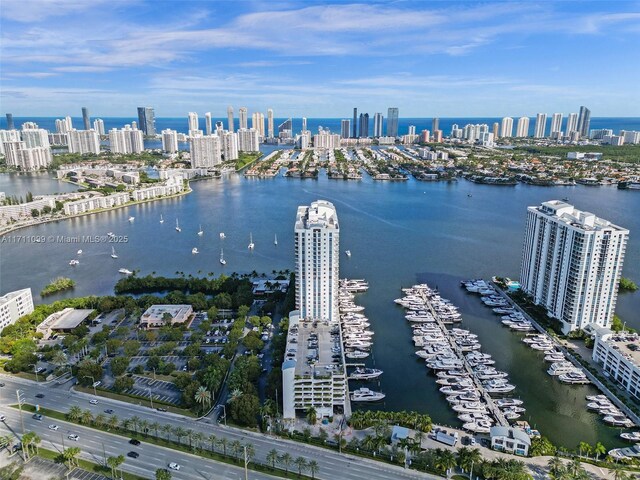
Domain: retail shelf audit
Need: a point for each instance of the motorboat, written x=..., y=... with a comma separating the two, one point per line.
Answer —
x=574, y=377
x=74, y=262
x=124, y=271
x=222, y=260
x=618, y=421
x=631, y=436
x=481, y=426
x=195, y=251
x=348, y=253
x=131, y=219
x=474, y=416
x=499, y=386
x=490, y=374
x=275, y=240
x=510, y=414
x=356, y=354
x=554, y=357
x=200, y=232
x=628, y=453
x=508, y=402
x=113, y=253
x=251, y=245
x=161, y=219
x=222, y=236
x=79, y=252
x=365, y=374
x=366, y=395
x=178, y=229
x=560, y=368
x=470, y=407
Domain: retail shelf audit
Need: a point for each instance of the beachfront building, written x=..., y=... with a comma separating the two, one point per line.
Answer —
x=126, y=140
x=311, y=377
x=506, y=127
x=157, y=316
x=571, y=264
x=326, y=140
x=83, y=141
x=248, y=140
x=172, y=186
x=619, y=355
x=95, y=203
x=24, y=210
x=205, y=151
x=14, y=305
x=169, y=141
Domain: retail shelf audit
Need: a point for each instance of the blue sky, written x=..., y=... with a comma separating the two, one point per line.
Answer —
x=319, y=59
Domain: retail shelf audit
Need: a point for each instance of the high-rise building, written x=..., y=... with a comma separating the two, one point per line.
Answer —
x=257, y=123
x=378, y=120
x=147, y=120
x=126, y=140
x=541, y=125
x=98, y=126
x=584, y=121
x=435, y=124
x=243, y=117
x=205, y=151
x=355, y=123
x=83, y=141
x=326, y=140
x=8, y=136
x=506, y=127
x=270, y=129
x=364, y=125
x=10, y=124
x=169, y=141
x=317, y=247
x=35, y=137
x=248, y=140
x=285, y=129
x=231, y=127
x=392, y=121
x=412, y=130
x=193, y=122
x=571, y=264
x=31, y=159
x=63, y=125
x=208, y=127
x=495, y=130
x=86, y=119
x=345, y=128
x=304, y=124
x=229, y=145
x=572, y=123
x=556, y=123
x=14, y=305
x=522, y=129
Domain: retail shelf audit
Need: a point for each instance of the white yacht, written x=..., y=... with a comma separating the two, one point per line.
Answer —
x=222, y=260
x=356, y=354
x=251, y=245
x=275, y=240
x=480, y=426
x=348, y=253
x=366, y=395
x=631, y=436
x=79, y=252
x=574, y=377
x=560, y=368
x=222, y=236
x=113, y=253
x=161, y=219
x=470, y=407
x=628, y=453
x=365, y=374
x=124, y=271
x=178, y=229
x=200, y=232
x=74, y=262
x=195, y=251
x=618, y=421
x=131, y=219
x=508, y=402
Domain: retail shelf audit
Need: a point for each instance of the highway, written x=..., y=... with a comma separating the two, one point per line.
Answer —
x=332, y=465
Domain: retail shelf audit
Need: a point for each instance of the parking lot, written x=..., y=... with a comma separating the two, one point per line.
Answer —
x=40, y=468
x=160, y=390
x=179, y=362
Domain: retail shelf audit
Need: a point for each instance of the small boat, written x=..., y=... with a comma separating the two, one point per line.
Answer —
x=79, y=252
x=275, y=240
x=618, y=421
x=113, y=253
x=357, y=354
x=251, y=245
x=222, y=236
x=194, y=251
x=348, y=253
x=366, y=395
x=124, y=271
x=178, y=229
x=200, y=232
x=131, y=219
x=74, y=262
x=161, y=219
x=365, y=374
x=110, y=234
x=222, y=260
x=631, y=436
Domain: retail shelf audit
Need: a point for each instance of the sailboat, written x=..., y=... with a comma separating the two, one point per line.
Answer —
x=195, y=250
x=79, y=252
x=131, y=219
x=222, y=260
x=251, y=244
x=348, y=253
x=222, y=236
x=161, y=219
x=200, y=232
x=113, y=253
x=275, y=240
x=178, y=229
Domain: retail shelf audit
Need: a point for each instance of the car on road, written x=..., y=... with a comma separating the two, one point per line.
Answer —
x=108, y=411
x=53, y=427
x=2, y=417
x=37, y=416
x=160, y=409
x=39, y=395
x=135, y=442
x=73, y=437
x=93, y=402
x=1, y=384
x=174, y=466
x=133, y=454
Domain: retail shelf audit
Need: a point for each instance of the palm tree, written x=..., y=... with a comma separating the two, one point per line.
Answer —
x=575, y=466
x=198, y=437
x=100, y=420
x=167, y=430
x=213, y=440
x=144, y=426
x=223, y=443
x=112, y=422
x=125, y=423
x=313, y=468
x=285, y=460
x=74, y=413
x=468, y=457
x=272, y=457
x=59, y=358
x=114, y=463
x=301, y=463
x=179, y=432
x=155, y=426
x=556, y=466
x=86, y=417
x=312, y=415
x=163, y=474
x=584, y=447
x=620, y=474
x=444, y=460
x=599, y=449
x=5, y=440
x=70, y=455
x=203, y=397
x=189, y=434
x=135, y=422
x=236, y=448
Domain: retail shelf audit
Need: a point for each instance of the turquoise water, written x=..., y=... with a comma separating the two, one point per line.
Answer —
x=398, y=233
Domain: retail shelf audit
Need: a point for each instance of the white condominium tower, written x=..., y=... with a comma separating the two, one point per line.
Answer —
x=270, y=123
x=378, y=120
x=208, y=127
x=572, y=123
x=205, y=151
x=506, y=127
x=193, y=121
x=248, y=140
x=83, y=141
x=571, y=264
x=169, y=141
x=126, y=140
x=522, y=130
x=556, y=123
x=14, y=305
x=257, y=122
x=317, y=260
x=541, y=125
x=242, y=116
x=230, y=118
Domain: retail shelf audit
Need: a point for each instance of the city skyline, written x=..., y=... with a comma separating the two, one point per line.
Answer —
x=455, y=59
